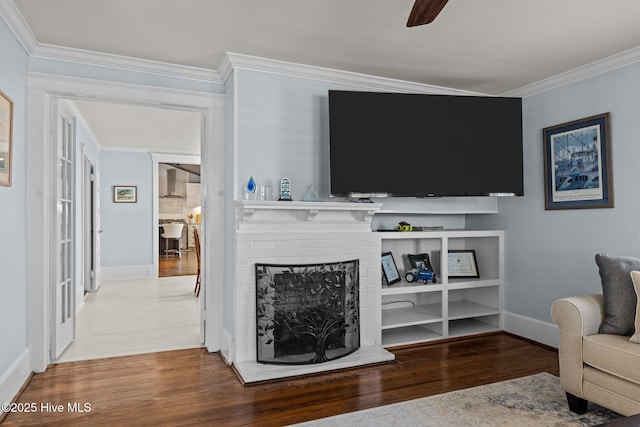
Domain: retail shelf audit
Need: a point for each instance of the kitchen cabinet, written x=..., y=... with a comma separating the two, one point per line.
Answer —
x=193, y=195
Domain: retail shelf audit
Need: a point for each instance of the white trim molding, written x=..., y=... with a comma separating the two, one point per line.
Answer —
x=12, y=380
x=232, y=61
x=533, y=329
x=125, y=272
x=602, y=66
x=126, y=63
x=10, y=13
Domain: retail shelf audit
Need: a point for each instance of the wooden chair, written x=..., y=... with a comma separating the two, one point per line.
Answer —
x=196, y=238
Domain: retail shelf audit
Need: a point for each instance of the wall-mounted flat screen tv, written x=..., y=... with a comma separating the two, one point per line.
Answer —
x=418, y=145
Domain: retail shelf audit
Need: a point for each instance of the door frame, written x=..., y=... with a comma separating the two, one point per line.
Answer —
x=42, y=89
x=89, y=198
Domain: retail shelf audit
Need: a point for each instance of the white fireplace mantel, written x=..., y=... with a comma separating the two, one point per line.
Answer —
x=258, y=211
x=293, y=232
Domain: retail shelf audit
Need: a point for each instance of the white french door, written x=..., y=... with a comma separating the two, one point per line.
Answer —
x=64, y=267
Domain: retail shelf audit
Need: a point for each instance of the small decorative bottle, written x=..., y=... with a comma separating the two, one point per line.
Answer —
x=285, y=189
x=250, y=189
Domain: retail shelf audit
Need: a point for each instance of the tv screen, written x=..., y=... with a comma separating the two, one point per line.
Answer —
x=416, y=145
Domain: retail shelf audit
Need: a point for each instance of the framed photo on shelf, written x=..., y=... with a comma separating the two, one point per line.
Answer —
x=125, y=194
x=6, y=139
x=577, y=164
x=389, y=269
x=462, y=263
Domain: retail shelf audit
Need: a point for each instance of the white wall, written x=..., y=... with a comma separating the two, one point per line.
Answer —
x=13, y=224
x=550, y=254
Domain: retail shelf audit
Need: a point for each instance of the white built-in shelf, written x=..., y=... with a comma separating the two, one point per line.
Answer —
x=452, y=307
x=405, y=287
x=467, y=309
x=409, y=335
x=464, y=327
x=473, y=283
x=410, y=316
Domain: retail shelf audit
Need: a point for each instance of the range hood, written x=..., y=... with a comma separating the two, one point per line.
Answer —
x=171, y=185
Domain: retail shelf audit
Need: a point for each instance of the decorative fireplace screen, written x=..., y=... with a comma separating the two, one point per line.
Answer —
x=307, y=313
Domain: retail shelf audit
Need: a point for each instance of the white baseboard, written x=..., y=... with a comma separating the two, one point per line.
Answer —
x=125, y=272
x=225, y=346
x=533, y=329
x=12, y=380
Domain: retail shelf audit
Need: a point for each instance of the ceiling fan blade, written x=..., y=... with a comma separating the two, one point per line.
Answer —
x=425, y=11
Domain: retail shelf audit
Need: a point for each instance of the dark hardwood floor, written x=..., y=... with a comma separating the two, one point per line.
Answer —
x=193, y=387
x=184, y=265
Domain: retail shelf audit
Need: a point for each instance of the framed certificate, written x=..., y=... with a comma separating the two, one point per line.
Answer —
x=462, y=263
x=389, y=268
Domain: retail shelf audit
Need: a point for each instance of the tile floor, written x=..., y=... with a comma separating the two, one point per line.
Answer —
x=136, y=316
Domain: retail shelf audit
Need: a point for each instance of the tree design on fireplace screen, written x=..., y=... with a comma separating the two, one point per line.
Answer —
x=307, y=313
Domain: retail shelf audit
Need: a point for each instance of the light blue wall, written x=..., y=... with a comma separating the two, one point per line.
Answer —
x=550, y=254
x=283, y=131
x=13, y=208
x=127, y=237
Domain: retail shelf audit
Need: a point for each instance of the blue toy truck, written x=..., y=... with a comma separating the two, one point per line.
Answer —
x=421, y=269
x=420, y=274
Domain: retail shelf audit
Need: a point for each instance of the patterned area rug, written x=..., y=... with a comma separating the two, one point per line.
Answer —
x=536, y=401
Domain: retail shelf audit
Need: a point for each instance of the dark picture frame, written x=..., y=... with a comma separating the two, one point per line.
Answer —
x=462, y=263
x=125, y=194
x=6, y=139
x=389, y=269
x=577, y=164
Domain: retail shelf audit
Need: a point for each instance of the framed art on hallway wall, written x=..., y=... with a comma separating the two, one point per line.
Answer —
x=125, y=194
x=6, y=138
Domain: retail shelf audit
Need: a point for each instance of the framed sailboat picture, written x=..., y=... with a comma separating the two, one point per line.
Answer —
x=577, y=164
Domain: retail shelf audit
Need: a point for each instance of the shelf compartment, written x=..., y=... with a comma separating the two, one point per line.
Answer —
x=483, y=282
x=411, y=316
x=409, y=288
x=468, y=309
x=464, y=327
x=411, y=335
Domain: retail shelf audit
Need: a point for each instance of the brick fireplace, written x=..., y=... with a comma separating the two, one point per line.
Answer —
x=304, y=233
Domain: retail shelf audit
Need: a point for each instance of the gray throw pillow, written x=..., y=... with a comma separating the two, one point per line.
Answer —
x=619, y=295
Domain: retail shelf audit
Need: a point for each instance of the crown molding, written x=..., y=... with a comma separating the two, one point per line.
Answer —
x=15, y=21
x=233, y=61
x=125, y=63
x=602, y=66
x=10, y=14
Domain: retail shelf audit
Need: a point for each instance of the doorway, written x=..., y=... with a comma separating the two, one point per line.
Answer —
x=42, y=89
x=180, y=212
x=127, y=309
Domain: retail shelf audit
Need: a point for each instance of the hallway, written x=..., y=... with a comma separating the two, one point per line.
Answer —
x=137, y=316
